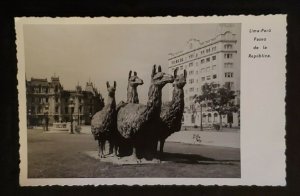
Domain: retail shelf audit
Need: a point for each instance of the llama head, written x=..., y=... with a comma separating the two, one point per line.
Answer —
x=159, y=78
x=111, y=89
x=179, y=80
x=134, y=80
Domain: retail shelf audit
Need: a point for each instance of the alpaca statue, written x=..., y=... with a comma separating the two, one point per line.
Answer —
x=103, y=124
x=133, y=82
x=135, y=122
x=172, y=112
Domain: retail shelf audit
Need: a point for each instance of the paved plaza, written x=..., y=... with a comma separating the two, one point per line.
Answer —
x=62, y=155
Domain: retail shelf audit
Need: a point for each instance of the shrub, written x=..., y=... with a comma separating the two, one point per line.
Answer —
x=216, y=126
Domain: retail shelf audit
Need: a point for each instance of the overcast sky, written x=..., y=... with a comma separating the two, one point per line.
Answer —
x=77, y=53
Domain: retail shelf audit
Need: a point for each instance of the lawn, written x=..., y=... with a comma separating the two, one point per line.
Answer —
x=61, y=155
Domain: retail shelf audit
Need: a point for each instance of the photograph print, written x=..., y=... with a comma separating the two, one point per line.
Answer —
x=133, y=100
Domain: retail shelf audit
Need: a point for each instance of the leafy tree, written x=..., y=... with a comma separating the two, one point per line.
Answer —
x=219, y=99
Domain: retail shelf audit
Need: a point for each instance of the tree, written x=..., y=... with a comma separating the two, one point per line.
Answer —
x=219, y=99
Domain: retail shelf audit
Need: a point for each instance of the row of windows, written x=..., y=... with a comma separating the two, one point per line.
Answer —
x=209, y=77
x=213, y=58
x=202, y=52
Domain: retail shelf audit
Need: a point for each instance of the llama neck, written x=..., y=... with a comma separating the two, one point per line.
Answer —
x=132, y=95
x=178, y=98
x=154, y=102
x=111, y=102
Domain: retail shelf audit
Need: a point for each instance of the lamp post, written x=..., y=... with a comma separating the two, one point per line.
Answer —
x=71, y=105
x=46, y=116
x=28, y=118
x=201, y=126
x=90, y=115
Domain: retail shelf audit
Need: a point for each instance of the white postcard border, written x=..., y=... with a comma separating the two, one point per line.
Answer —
x=262, y=103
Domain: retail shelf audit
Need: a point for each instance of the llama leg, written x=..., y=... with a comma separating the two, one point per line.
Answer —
x=111, y=147
x=161, y=147
x=102, y=148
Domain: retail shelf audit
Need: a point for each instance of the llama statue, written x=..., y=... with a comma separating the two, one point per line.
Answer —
x=135, y=122
x=132, y=97
x=171, y=112
x=133, y=82
x=103, y=124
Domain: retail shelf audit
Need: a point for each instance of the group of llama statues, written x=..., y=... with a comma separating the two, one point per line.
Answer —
x=134, y=130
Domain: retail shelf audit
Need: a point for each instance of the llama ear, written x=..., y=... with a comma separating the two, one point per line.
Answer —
x=107, y=84
x=153, y=71
x=175, y=72
x=129, y=74
x=184, y=73
x=134, y=73
x=115, y=84
x=159, y=68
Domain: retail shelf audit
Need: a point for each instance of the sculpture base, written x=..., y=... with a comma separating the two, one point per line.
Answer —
x=121, y=160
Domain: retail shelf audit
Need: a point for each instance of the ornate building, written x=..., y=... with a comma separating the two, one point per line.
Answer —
x=49, y=99
x=216, y=60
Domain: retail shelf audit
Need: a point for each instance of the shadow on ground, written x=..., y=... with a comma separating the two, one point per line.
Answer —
x=193, y=159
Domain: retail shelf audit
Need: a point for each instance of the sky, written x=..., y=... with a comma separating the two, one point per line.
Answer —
x=100, y=53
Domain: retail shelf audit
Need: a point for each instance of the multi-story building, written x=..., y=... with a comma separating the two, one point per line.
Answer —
x=49, y=100
x=216, y=60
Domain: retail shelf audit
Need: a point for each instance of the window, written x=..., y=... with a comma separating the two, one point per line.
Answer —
x=191, y=72
x=203, y=78
x=214, y=48
x=208, y=59
x=202, y=61
x=191, y=65
x=202, y=70
x=229, y=85
x=192, y=89
x=214, y=76
x=214, y=58
x=207, y=77
x=181, y=67
x=193, y=118
x=228, y=56
x=228, y=46
x=228, y=65
x=215, y=117
x=213, y=67
x=191, y=81
x=207, y=68
x=209, y=117
x=207, y=50
x=202, y=52
x=228, y=74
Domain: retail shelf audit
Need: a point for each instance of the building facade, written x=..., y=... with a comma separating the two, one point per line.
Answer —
x=49, y=100
x=216, y=60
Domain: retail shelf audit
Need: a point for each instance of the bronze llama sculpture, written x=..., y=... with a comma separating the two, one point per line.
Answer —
x=103, y=124
x=133, y=82
x=135, y=122
x=172, y=112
